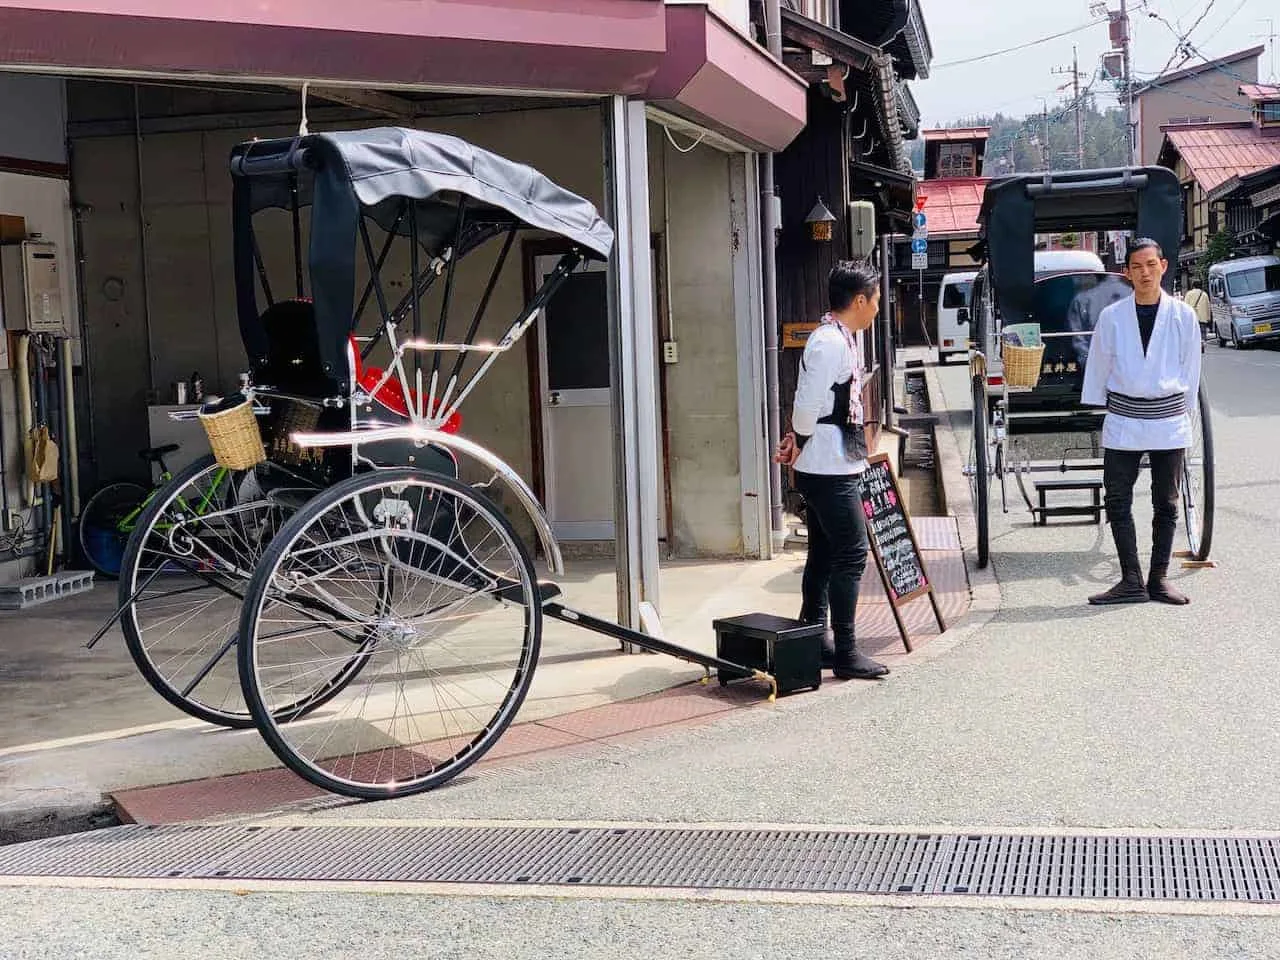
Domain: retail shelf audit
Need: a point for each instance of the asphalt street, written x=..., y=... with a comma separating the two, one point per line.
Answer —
x=1056, y=714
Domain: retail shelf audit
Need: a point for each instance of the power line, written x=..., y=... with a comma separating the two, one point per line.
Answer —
x=1021, y=46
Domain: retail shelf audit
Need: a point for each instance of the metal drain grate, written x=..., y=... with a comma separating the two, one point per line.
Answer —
x=1094, y=867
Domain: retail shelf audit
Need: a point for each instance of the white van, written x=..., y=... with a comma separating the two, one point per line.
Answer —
x=1244, y=296
x=955, y=313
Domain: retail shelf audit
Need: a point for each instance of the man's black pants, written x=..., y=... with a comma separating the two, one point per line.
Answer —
x=1120, y=470
x=837, y=551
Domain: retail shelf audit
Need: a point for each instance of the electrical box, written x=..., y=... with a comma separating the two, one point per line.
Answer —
x=670, y=352
x=31, y=288
x=862, y=229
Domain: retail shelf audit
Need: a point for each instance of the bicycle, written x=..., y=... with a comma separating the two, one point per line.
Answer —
x=111, y=515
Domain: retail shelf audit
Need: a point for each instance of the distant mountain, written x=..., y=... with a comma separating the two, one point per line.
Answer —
x=1016, y=143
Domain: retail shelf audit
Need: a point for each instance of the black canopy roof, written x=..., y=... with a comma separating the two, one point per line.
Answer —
x=384, y=166
x=1145, y=200
x=407, y=181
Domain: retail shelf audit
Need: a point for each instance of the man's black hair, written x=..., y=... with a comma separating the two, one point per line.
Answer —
x=849, y=279
x=1142, y=243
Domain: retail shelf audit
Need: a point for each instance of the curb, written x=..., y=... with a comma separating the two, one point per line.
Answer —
x=984, y=585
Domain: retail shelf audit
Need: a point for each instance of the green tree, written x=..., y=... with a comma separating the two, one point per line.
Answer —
x=1220, y=247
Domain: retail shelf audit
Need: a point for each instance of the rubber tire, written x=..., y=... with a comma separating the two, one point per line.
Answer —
x=1200, y=551
x=133, y=639
x=118, y=486
x=982, y=479
x=256, y=594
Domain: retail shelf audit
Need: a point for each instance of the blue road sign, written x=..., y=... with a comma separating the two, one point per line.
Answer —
x=919, y=245
x=920, y=220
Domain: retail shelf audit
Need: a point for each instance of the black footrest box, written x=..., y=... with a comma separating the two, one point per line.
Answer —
x=788, y=649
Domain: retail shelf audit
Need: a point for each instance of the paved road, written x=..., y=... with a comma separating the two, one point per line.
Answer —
x=1055, y=714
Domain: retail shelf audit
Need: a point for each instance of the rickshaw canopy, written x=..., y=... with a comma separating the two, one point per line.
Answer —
x=445, y=193
x=1144, y=200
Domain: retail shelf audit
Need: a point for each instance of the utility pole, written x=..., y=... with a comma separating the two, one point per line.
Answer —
x=1044, y=143
x=1126, y=48
x=1077, y=100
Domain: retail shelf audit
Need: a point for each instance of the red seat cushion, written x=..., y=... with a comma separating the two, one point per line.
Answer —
x=391, y=394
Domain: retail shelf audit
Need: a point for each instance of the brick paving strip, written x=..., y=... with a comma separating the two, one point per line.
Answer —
x=596, y=728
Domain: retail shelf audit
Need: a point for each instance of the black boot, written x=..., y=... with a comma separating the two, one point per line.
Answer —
x=1158, y=586
x=1130, y=589
x=829, y=650
x=852, y=664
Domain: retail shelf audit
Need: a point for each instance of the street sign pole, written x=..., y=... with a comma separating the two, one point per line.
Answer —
x=920, y=254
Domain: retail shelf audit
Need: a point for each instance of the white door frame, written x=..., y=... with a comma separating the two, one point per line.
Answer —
x=564, y=530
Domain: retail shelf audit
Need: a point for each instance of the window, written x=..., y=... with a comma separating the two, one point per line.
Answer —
x=956, y=295
x=1246, y=283
x=1215, y=287
x=1188, y=212
x=957, y=160
x=819, y=10
x=937, y=253
x=1269, y=112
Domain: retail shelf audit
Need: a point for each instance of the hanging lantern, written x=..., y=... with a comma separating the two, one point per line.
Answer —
x=820, y=220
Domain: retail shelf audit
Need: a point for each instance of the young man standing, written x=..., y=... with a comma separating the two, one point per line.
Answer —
x=1144, y=367
x=828, y=450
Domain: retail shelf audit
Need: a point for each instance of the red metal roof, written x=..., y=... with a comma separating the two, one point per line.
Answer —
x=953, y=204
x=957, y=133
x=1260, y=91
x=1216, y=152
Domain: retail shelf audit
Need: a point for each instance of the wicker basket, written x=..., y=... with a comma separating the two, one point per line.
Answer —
x=234, y=437
x=1022, y=365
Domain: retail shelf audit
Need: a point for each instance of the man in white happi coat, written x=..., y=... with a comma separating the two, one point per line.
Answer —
x=1144, y=367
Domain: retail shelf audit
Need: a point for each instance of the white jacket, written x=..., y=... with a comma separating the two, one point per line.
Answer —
x=1171, y=365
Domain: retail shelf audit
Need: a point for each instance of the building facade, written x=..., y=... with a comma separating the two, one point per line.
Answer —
x=123, y=117
x=857, y=58
x=953, y=188
x=1206, y=93
x=1223, y=168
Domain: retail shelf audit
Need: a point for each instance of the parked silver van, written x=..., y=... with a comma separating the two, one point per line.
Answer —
x=1245, y=299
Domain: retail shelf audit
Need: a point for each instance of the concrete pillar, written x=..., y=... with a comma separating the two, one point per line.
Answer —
x=632, y=350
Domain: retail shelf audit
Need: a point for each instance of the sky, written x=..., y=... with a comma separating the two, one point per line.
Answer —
x=1014, y=83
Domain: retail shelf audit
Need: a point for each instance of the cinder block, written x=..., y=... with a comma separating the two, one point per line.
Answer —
x=28, y=592
x=71, y=582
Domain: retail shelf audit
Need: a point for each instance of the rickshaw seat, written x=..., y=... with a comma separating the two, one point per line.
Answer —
x=391, y=394
x=292, y=363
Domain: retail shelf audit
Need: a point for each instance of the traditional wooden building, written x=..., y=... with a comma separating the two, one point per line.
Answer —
x=857, y=56
x=954, y=186
x=1223, y=168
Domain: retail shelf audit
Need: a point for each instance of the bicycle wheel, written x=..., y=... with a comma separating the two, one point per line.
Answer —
x=424, y=583
x=1198, y=481
x=184, y=575
x=103, y=530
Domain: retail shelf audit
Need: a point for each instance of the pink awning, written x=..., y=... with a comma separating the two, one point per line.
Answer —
x=571, y=46
x=718, y=78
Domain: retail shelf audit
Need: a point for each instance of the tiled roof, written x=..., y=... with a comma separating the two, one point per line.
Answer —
x=957, y=133
x=953, y=204
x=1216, y=152
x=1260, y=91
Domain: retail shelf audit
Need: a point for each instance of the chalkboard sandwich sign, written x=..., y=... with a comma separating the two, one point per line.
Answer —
x=893, y=543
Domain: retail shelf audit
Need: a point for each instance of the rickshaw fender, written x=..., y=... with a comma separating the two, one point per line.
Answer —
x=458, y=445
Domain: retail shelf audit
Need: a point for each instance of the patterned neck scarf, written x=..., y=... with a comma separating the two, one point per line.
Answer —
x=854, y=343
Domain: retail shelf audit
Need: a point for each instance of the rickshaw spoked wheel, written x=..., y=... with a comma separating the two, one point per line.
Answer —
x=430, y=581
x=1198, y=481
x=182, y=579
x=980, y=473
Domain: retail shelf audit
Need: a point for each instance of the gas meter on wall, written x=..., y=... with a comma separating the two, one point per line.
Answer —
x=31, y=288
